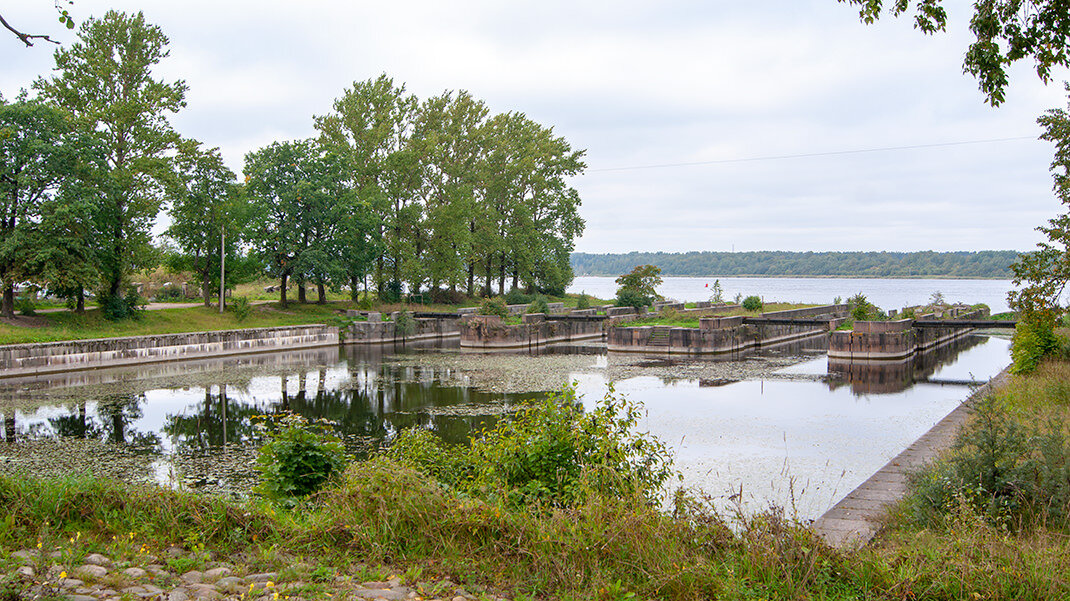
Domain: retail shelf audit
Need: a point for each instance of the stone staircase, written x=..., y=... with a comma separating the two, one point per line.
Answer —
x=659, y=338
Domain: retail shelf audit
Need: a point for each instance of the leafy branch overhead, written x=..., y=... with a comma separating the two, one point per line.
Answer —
x=28, y=38
x=1005, y=32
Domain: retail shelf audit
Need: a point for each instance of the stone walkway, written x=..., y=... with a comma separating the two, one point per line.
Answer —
x=856, y=519
x=99, y=578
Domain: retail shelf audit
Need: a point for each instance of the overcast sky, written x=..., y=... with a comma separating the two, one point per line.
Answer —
x=642, y=84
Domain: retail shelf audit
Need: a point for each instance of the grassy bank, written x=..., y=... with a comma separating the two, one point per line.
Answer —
x=678, y=319
x=385, y=516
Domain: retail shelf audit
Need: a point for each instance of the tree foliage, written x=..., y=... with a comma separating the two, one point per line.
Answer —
x=638, y=288
x=1005, y=32
x=105, y=80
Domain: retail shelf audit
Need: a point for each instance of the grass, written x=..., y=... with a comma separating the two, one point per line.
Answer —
x=67, y=325
x=678, y=319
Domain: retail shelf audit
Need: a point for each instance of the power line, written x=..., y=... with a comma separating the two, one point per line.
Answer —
x=812, y=154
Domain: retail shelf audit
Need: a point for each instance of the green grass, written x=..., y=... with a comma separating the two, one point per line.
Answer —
x=685, y=320
x=67, y=325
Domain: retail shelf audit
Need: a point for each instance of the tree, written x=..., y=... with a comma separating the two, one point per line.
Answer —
x=28, y=38
x=105, y=80
x=1005, y=32
x=41, y=153
x=208, y=215
x=638, y=288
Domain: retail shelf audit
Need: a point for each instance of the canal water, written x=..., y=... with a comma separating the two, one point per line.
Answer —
x=780, y=427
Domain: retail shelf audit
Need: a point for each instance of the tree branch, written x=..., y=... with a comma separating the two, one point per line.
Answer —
x=26, y=38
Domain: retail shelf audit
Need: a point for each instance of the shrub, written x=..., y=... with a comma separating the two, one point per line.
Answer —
x=122, y=307
x=861, y=309
x=299, y=457
x=1034, y=339
x=25, y=305
x=717, y=293
x=551, y=452
x=169, y=293
x=539, y=305
x=390, y=292
x=1014, y=475
x=516, y=296
x=627, y=297
x=447, y=297
x=752, y=303
x=241, y=307
x=584, y=302
x=494, y=306
x=404, y=324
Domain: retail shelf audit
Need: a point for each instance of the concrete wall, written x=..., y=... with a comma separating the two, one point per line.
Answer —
x=892, y=340
x=377, y=332
x=53, y=357
x=718, y=335
x=489, y=332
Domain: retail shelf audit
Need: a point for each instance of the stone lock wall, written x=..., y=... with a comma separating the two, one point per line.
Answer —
x=892, y=339
x=376, y=331
x=490, y=332
x=53, y=357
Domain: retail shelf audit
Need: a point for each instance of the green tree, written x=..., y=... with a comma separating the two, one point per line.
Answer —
x=208, y=215
x=1005, y=32
x=105, y=80
x=639, y=287
x=369, y=130
x=41, y=155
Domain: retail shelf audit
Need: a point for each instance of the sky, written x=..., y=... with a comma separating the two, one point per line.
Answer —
x=742, y=88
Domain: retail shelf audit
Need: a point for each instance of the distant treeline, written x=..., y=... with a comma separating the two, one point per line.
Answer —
x=928, y=264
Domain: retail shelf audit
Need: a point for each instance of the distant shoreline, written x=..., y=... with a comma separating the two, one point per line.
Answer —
x=811, y=277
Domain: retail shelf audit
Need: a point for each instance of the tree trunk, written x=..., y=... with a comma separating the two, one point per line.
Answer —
x=471, y=279
x=321, y=294
x=206, y=292
x=9, y=427
x=8, y=307
x=354, y=288
x=490, y=277
x=282, y=290
x=79, y=306
x=301, y=295
x=501, y=276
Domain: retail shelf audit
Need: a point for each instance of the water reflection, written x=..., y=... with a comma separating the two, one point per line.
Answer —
x=885, y=377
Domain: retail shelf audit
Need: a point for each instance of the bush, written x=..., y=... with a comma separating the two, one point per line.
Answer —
x=168, y=294
x=584, y=302
x=516, y=296
x=752, y=303
x=1014, y=475
x=1034, y=339
x=241, y=307
x=550, y=452
x=25, y=306
x=404, y=324
x=448, y=297
x=539, y=305
x=626, y=297
x=494, y=306
x=299, y=457
x=861, y=309
x=390, y=292
x=122, y=307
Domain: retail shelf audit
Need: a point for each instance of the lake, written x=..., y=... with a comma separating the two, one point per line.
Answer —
x=885, y=293
x=777, y=427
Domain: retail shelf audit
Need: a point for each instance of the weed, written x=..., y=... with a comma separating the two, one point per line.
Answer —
x=299, y=458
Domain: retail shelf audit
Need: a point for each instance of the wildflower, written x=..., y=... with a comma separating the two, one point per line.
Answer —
x=269, y=584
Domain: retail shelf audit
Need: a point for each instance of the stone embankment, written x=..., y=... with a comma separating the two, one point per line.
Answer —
x=54, y=357
x=721, y=335
x=377, y=331
x=894, y=340
x=490, y=332
x=100, y=578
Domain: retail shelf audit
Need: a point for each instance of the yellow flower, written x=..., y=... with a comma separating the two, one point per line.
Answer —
x=269, y=584
x=62, y=575
x=275, y=597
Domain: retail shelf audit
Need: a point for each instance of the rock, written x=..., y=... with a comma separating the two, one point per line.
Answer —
x=96, y=559
x=134, y=590
x=207, y=593
x=79, y=598
x=25, y=572
x=459, y=598
x=90, y=572
x=135, y=573
x=174, y=552
x=24, y=554
x=70, y=583
x=390, y=594
x=192, y=577
x=108, y=593
x=231, y=584
x=177, y=595
x=155, y=590
x=265, y=577
x=216, y=573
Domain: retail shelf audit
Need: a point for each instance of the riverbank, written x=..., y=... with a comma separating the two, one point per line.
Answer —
x=384, y=520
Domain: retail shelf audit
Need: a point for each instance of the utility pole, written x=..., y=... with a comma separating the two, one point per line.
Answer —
x=222, y=264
